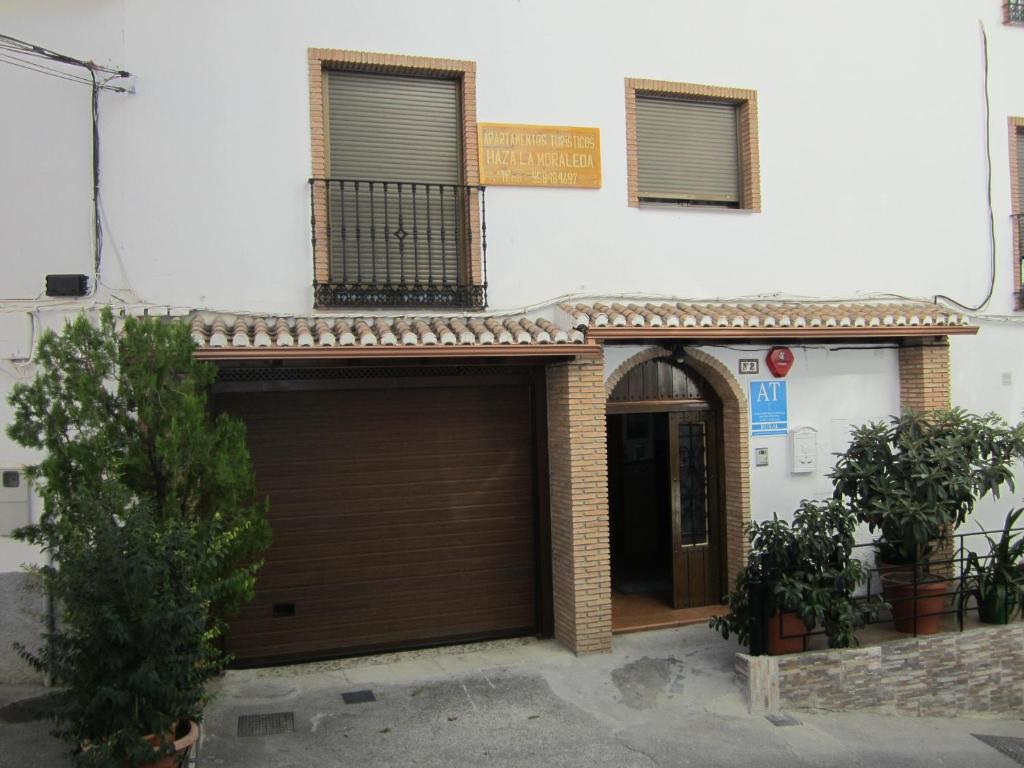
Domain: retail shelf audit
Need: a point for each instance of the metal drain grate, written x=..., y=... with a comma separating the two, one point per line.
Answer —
x=1012, y=747
x=266, y=725
x=358, y=697
x=780, y=720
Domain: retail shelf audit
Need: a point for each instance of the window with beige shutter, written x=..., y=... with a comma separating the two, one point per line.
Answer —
x=687, y=151
x=691, y=145
x=394, y=158
x=397, y=215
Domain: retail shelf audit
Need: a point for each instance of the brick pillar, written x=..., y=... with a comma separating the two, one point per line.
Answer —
x=924, y=374
x=924, y=386
x=578, y=465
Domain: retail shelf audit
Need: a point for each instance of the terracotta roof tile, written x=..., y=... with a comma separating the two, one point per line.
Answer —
x=211, y=330
x=791, y=314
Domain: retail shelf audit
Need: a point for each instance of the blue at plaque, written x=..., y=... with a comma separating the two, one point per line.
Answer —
x=768, y=412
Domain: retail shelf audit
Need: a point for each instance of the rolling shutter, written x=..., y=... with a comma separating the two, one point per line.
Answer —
x=401, y=517
x=392, y=128
x=687, y=150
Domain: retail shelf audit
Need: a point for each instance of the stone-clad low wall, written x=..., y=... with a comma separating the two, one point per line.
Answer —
x=976, y=671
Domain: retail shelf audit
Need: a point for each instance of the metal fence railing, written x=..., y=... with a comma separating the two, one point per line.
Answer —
x=916, y=598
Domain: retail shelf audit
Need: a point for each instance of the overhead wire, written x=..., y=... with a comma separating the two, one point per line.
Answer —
x=19, y=48
x=988, y=179
x=32, y=67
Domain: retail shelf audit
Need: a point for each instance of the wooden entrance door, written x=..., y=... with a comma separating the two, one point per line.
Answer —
x=696, y=530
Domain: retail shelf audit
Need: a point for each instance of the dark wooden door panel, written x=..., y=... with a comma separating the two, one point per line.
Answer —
x=400, y=517
x=696, y=543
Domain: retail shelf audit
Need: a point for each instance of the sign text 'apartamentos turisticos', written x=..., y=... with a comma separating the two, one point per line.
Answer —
x=539, y=155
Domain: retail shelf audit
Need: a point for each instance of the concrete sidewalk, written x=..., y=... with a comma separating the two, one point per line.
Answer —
x=662, y=698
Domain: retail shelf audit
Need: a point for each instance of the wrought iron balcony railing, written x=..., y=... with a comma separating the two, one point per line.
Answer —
x=1014, y=10
x=399, y=244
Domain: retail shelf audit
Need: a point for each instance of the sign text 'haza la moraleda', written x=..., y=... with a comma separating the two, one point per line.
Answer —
x=539, y=155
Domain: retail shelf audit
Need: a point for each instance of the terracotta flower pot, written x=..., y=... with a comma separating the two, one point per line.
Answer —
x=169, y=761
x=786, y=634
x=915, y=607
x=180, y=745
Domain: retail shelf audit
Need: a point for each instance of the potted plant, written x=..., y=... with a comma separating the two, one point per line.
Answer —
x=152, y=527
x=915, y=479
x=996, y=581
x=799, y=575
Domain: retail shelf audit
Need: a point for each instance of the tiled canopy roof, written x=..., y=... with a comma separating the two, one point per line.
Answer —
x=779, y=316
x=212, y=331
x=219, y=335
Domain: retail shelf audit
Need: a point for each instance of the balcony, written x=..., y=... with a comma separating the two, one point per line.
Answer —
x=398, y=244
x=1013, y=12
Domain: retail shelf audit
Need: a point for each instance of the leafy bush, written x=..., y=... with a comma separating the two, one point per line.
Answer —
x=807, y=567
x=996, y=581
x=919, y=476
x=151, y=522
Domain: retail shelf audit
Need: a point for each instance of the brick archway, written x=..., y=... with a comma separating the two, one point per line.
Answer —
x=735, y=443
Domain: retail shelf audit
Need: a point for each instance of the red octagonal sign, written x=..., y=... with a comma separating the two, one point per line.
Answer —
x=779, y=361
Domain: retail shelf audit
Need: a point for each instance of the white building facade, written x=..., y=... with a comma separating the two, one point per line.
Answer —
x=864, y=220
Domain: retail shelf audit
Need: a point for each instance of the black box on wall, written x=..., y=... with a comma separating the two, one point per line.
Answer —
x=66, y=285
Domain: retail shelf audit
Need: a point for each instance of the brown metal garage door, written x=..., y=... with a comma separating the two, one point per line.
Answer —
x=401, y=516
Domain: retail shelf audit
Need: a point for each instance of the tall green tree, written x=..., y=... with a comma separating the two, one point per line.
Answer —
x=135, y=472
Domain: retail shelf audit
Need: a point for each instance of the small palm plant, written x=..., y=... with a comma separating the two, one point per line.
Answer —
x=996, y=581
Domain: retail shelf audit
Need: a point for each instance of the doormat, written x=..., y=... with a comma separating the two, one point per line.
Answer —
x=266, y=725
x=1012, y=747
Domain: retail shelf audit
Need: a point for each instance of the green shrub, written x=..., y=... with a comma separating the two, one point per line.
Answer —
x=151, y=522
x=807, y=567
x=918, y=476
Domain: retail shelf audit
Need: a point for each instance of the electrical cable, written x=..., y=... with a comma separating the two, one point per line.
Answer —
x=97, y=225
x=20, y=47
x=754, y=347
x=991, y=213
x=33, y=67
x=40, y=69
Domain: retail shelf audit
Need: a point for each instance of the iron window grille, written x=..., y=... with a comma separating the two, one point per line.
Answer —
x=400, y=243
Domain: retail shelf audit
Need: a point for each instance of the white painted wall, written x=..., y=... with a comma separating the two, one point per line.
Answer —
x=829, y=389
x=988, y=375
x=871, y=139
x=872, y=144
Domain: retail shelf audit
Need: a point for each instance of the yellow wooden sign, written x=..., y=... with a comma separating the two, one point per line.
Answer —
x=539, y=155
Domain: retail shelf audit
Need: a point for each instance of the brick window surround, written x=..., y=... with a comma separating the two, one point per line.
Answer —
x=746, y=102
x=1016, y=128
x=389, y=63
